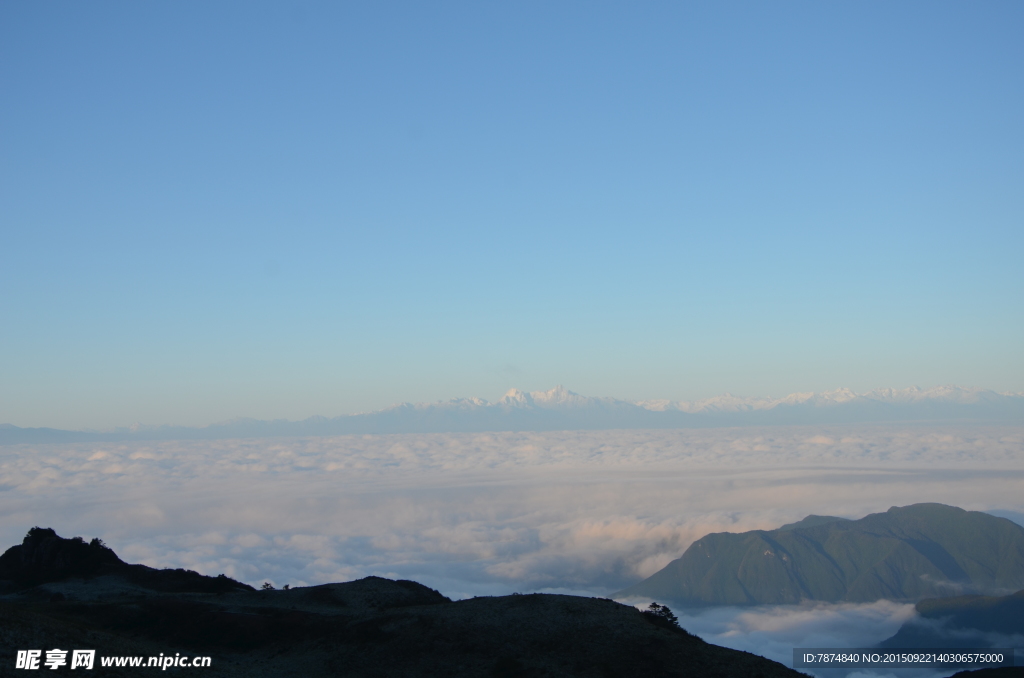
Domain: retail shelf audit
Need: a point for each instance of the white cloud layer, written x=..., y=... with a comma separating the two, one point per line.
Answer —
x=475, y=514
x=591, y=510
x=773, y=631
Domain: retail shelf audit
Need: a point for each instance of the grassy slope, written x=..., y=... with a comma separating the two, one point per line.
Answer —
x=905, y=553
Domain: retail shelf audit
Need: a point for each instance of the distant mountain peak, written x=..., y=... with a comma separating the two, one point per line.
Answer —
x=560, y=395
x=516, y=398
x=561, y=409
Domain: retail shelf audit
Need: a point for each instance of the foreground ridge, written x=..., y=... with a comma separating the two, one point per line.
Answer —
x=66, y=593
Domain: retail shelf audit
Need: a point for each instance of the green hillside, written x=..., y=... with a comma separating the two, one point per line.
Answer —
x=907, y=553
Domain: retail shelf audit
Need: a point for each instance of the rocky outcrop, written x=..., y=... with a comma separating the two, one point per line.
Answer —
x=45, y=557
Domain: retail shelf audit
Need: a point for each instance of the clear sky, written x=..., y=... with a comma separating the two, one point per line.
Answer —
x=214, y=209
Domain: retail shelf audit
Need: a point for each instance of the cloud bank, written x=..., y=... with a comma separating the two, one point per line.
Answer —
x=587, y=512
x=773, y=631
x=471, y=514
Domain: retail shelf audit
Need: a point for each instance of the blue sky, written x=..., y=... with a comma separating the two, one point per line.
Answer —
x=211, y=210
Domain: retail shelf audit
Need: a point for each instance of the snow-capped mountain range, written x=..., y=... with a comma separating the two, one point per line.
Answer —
x=561, y=409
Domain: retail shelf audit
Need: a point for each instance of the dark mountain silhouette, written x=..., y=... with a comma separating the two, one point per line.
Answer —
x=44, y=557
x=964, y=621
x=66, y=593
x=904, y=554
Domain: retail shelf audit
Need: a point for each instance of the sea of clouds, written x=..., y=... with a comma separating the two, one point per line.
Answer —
x=586, y=512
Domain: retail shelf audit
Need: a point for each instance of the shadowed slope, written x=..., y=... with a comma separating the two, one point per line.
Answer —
x=906, y=553
x=964, y=621
x=369, y=627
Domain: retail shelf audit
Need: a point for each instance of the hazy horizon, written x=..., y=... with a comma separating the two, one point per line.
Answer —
x=717, y=402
